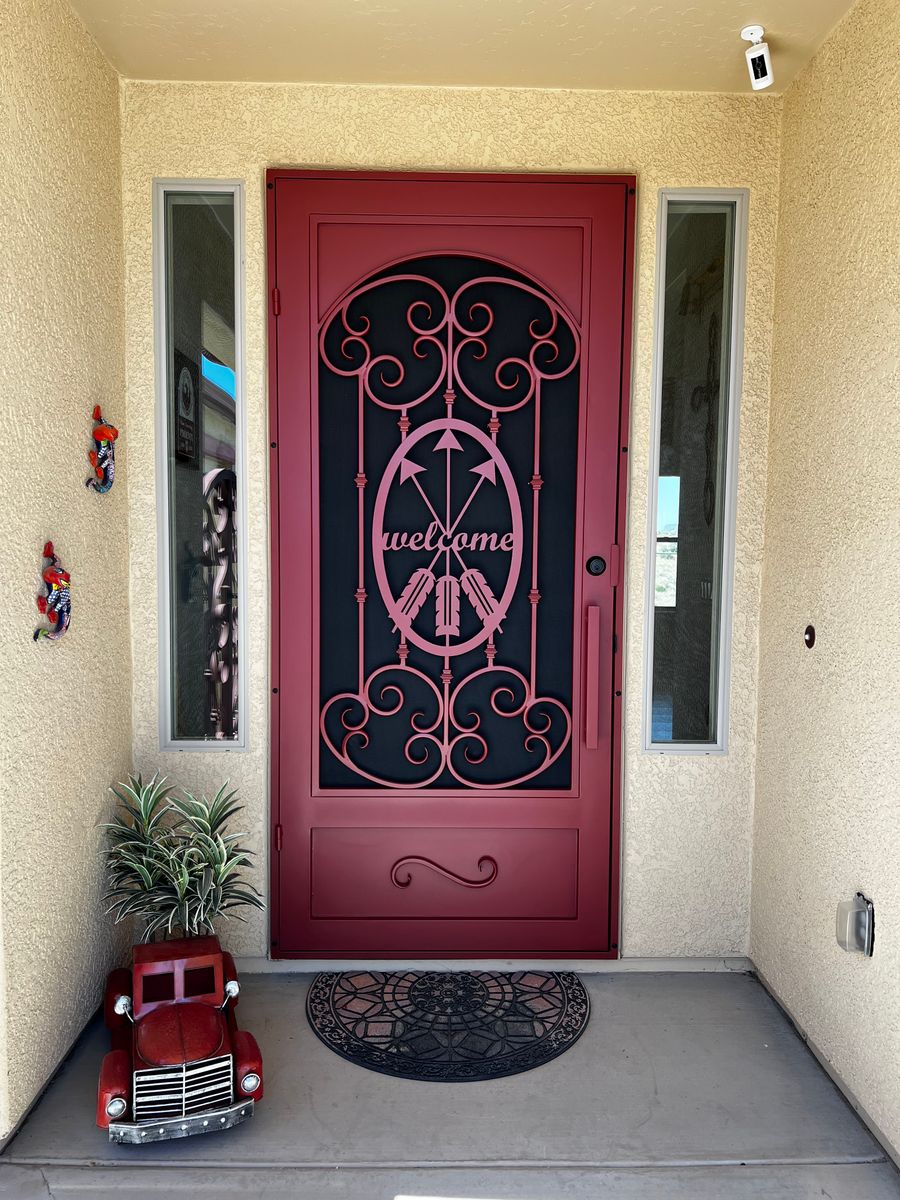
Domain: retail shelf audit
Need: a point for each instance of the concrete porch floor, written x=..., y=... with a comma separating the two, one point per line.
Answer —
x=683, y=1086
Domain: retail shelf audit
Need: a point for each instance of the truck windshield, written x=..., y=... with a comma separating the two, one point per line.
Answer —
x=199, y=981
x=158, y=987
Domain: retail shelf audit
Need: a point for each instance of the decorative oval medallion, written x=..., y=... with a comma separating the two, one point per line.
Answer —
x=440, y=555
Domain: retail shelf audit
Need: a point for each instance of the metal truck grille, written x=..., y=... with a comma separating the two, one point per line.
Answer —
x=162, y=1092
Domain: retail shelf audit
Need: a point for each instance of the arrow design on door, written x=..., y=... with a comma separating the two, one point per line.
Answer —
x=440, y=551
x=447, y=623
x=479, y=592
x=421, y=582
x=447, y=583
x=416, y=592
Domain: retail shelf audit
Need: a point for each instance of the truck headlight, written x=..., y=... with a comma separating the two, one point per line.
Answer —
x=250, y=1083
x=115, y=1108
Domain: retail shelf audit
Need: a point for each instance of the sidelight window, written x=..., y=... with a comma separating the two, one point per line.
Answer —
x=697, y=382
x=199, y=434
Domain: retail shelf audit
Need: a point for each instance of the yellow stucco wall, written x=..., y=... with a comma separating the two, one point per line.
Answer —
x=686, y=820
x=828, y=801
x=64, y=708
x=826, y=818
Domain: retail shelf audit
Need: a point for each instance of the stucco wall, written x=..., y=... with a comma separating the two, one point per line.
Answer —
x=687, y=820
x=827, y=817
x=64, y=708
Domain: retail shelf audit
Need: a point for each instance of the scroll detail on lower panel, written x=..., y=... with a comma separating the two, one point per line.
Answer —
x=428, y=874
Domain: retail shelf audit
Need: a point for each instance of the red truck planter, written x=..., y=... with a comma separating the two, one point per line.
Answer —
x=179, y=1065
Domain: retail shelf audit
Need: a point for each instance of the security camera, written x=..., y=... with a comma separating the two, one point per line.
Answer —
x=759, y=60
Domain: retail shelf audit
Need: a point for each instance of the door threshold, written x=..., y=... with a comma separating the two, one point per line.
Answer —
x=586, y=966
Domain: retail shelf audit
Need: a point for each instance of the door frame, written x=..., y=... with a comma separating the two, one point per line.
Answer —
x=617, y=566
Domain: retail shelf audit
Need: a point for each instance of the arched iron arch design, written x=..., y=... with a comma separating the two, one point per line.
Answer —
x=451, y=364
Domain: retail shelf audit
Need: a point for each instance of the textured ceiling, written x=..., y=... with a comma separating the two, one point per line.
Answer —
x=691, y=45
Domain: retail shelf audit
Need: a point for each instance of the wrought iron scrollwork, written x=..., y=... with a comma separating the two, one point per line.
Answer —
x=466, y=347
x=414, y=860
x=449, y=332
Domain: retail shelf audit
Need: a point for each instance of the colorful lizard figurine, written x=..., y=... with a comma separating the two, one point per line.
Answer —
x=57, y=604
x=103, y=458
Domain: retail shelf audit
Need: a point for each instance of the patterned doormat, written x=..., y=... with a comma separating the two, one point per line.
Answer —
x=449, y=1027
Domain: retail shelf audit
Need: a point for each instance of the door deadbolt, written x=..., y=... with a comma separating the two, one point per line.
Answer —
x=596, y=565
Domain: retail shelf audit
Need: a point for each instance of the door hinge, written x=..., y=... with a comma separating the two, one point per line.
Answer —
x=615, y=568
x=279, y=838
x=276, y=302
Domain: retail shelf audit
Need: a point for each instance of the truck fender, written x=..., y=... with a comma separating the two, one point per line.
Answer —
x=246, y=1058
x=115, y=1080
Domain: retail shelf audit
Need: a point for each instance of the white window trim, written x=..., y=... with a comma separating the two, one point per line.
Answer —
x=740, y=197
x=236, y=189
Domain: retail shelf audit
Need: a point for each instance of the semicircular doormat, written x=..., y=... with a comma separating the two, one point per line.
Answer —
x=450, y=1027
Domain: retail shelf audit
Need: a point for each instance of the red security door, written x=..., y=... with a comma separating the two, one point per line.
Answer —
x=448, y=391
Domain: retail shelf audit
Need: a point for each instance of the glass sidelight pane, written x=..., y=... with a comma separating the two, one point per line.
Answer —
x=692, y=467
x=201, y=462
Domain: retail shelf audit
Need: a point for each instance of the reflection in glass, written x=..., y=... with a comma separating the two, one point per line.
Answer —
x=667, y=541
x=202, y=481
x=691, y=485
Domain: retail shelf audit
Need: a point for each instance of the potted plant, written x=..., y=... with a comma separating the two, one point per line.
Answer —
x=178, y=1065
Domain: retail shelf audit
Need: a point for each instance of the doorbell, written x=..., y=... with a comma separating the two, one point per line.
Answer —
x=759, y=60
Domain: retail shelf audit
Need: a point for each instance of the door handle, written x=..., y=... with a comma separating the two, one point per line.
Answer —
x=592, y=677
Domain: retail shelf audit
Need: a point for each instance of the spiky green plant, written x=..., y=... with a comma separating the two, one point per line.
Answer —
x=171, y=864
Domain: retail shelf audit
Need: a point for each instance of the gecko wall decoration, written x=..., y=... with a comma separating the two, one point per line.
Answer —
x=103, y=456
x=57, y=604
